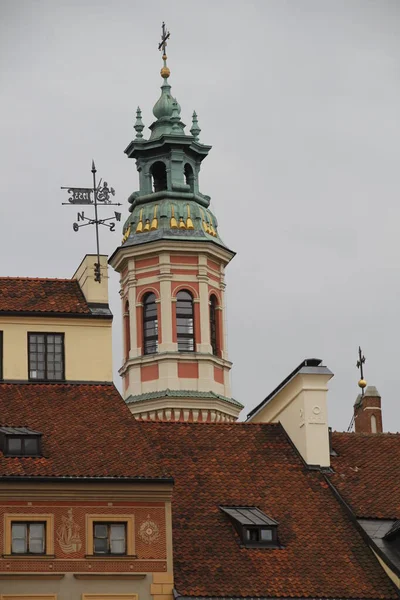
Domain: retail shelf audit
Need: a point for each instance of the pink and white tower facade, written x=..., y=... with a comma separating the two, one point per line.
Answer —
x=172, y=264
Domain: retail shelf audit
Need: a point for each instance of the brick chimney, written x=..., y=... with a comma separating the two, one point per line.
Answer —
x=368, y=412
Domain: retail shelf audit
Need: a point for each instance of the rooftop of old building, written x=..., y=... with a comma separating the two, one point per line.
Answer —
x=42, y=295
x=321, y=553
x=88, y=432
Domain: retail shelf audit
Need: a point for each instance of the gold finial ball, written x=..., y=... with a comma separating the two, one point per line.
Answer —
x=362, y=383
x=165, y=72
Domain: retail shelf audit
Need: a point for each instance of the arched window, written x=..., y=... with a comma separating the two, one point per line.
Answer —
x=214, y=325
x=159, y=174
x=373, y=424
x=127, y=331
x=150, y=324
x=185, y=322
x=189, y=176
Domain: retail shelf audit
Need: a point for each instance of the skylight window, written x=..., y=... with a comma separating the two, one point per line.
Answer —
x=255, y=528
x=20, y=441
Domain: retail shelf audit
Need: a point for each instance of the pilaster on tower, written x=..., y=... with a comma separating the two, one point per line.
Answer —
x=171, y=264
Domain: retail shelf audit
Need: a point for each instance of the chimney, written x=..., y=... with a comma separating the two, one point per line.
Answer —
x=300, y=404
x=95, y=293
x=368, y=412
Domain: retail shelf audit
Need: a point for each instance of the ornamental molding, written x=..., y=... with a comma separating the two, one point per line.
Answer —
x=200, y=357
x=207, y=248
x=149, y=532
x=68, y=536
x=167, y=403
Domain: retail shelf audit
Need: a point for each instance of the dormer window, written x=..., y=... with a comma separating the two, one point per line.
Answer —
x=259, y=534
x=255, y=528
x=20, y=441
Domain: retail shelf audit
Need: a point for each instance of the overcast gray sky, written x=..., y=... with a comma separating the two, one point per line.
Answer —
x=300, y=101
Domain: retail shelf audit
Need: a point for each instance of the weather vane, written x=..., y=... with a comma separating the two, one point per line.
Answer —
x=361, y=360
x=83, y=197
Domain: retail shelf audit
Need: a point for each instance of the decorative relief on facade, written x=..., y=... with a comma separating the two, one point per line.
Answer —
x=316, y=415
x=149, y=531
x=68, y=534
x=315, y=418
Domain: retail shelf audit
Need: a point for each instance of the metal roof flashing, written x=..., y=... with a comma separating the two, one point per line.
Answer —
x=249, y=515
x=309, y=366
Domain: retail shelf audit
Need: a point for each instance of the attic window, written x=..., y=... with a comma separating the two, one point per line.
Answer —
x=255, y=528
x=20, y=441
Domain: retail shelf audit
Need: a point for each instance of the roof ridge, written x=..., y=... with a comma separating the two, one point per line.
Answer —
x=202, y=423
x=19, y=278
x=366, y=434
x=53, y=384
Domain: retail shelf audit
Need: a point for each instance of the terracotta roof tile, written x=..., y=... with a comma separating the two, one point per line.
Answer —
x=23, y=294
x=87, y=432
x=323, y=555
x=367, y=472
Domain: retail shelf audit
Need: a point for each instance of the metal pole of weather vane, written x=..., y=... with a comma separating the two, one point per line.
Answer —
x=101, y=196
x=97, y=271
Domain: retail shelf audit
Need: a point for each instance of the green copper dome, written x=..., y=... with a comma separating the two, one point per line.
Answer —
x=168, y=204
x=170, y=219
x=164, y=107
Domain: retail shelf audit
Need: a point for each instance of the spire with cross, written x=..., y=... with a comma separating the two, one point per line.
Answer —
x=165, y=35
x=361, y=384
x=361, y=360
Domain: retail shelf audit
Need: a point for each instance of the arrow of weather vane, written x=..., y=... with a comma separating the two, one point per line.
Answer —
x=101, y=197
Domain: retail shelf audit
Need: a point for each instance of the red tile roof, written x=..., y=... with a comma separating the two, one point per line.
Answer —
x=23, y=294
x=87, y=430
x=367, y=472
x=323, y=555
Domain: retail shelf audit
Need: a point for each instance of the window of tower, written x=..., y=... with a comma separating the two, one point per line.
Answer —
x=127, y=332
x=214, y=333
x=189, y=176
x=150, y=325
x=373, y=424
x=159, y=174
x=185, y=321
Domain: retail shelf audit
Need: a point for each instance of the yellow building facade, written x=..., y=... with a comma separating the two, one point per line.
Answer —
x=44, y=318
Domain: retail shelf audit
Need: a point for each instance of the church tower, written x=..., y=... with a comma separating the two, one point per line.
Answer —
x=171, y=264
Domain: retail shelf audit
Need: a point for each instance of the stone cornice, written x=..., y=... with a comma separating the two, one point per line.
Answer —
x=149, y=359
x=122, y=253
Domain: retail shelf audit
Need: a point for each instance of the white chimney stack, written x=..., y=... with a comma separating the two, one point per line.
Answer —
x=94, y=292
x=299, y=403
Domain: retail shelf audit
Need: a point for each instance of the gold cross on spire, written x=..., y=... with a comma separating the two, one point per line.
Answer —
x=164, y=37
x=361, y=360
x=165, y=72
